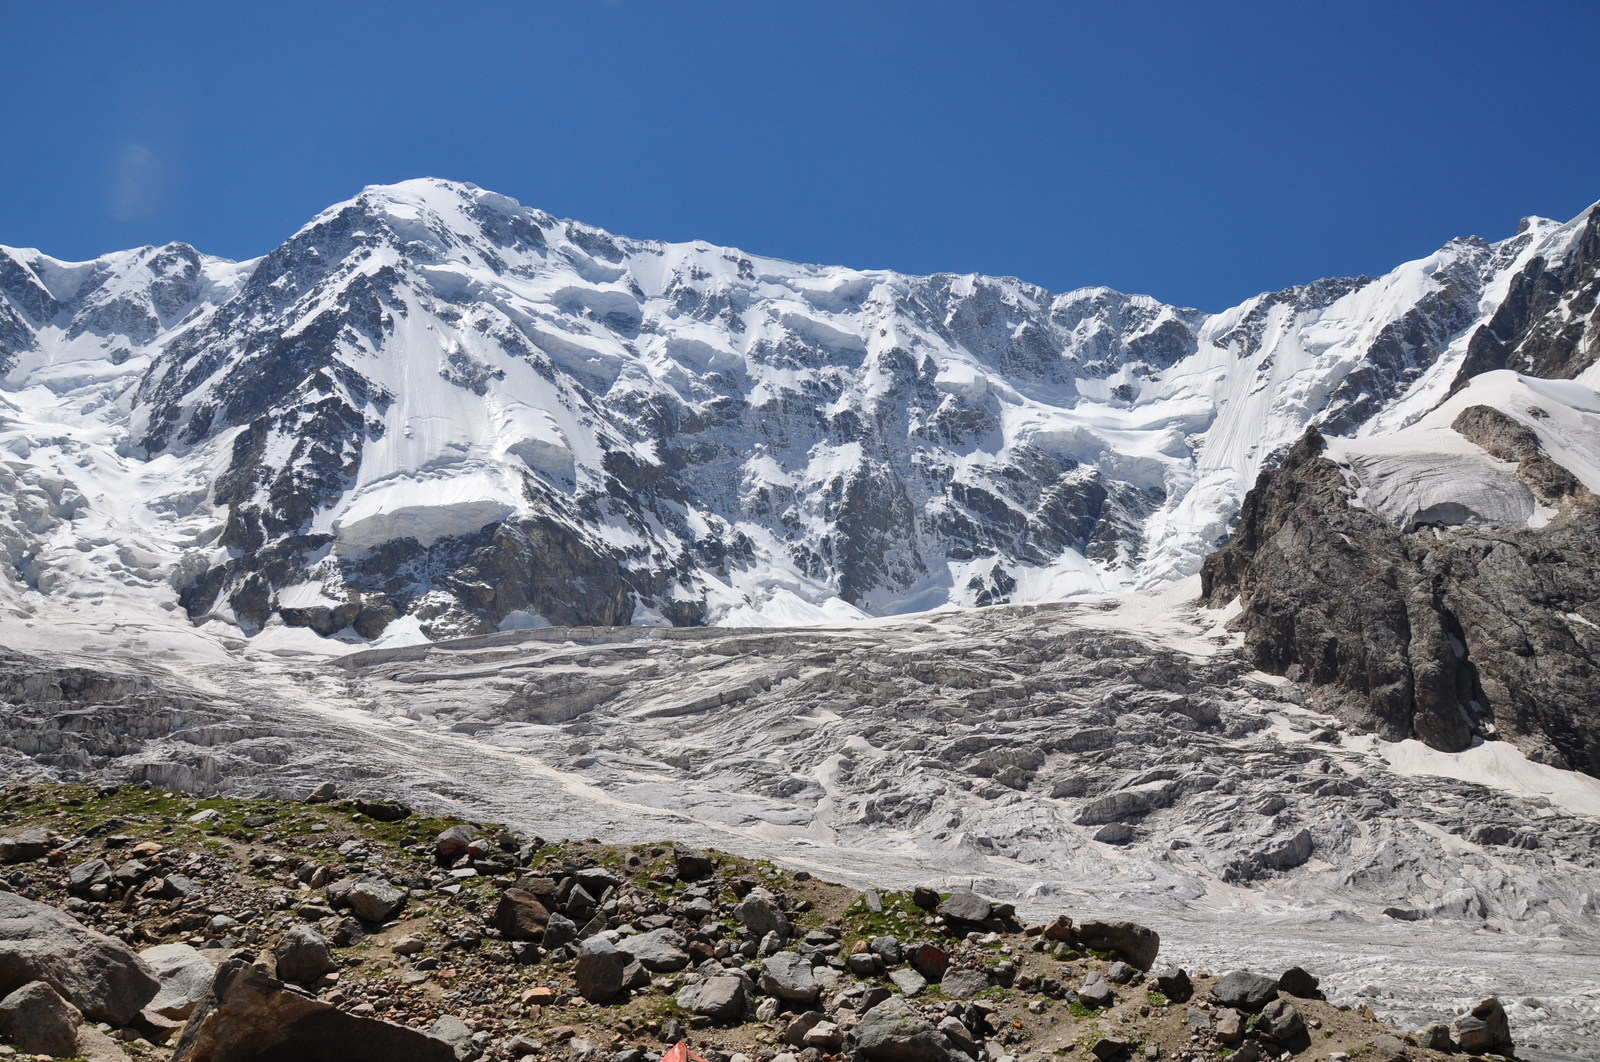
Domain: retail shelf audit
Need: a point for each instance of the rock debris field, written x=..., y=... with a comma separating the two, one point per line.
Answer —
x=137, y=923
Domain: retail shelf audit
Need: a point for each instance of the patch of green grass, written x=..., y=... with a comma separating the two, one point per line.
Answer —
x=1079, y=1009
x=1156, y=998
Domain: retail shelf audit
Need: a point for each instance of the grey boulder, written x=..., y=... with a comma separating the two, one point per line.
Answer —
x=760, y=915
x=186, y=976
x=36, y=1018
x=659, y=951
x=963, y=983
x=893, y=1031
x=600, y=970
x=374, y=901
x=100, y=976
x=966, y=907
x=1244, y=991
x=302, y=955
x=788, y=976
x=721, y=997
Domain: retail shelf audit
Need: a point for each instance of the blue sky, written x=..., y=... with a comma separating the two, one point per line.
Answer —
x=1200, y=152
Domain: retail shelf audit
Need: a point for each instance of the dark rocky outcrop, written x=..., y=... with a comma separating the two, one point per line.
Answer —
x=1444, y=635
x=1540, y=326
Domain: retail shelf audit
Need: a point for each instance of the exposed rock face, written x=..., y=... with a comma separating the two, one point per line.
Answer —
x=95, y=973
x=1551, y=308
x=1443, y=634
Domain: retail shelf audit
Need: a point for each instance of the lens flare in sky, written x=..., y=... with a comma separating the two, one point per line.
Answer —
x=137, y=183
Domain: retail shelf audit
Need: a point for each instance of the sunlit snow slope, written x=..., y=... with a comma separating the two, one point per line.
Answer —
x=435, y=411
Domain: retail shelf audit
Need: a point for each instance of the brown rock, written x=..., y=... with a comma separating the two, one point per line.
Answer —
x=520, y=916
x=251, y=1017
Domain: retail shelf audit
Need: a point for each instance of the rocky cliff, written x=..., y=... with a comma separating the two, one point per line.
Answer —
x=1432, y=615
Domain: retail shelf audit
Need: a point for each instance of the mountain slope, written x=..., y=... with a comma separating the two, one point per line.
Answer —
x=435, y=406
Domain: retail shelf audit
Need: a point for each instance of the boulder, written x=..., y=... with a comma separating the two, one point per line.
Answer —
x=250, y=1017
x=794, y=1034
x=907, y=980
x=1296, y=982
x=375, y=901
x=925, y=897
x=788, y=976
x=1059, y=929
x=721, y=997
x=600, y=970
x=559, y=930
x=659, y=951
x=964, y=983
x=893, y=1031
x=1386, y=1048
x=1282, y=1022
x=864, y=964
x=1095, y=992
x=383, y=810
x=36, y=1018
x=930, y=961
x=1245, y=991
x=322, y=794
x=302, y=956
x=520, y=916
x=1135, y=943
x=824, y=1036
x=1485, y=1028
x=452, y=844
x=1435, y=1036
x=185, y=975
x=965, y=907
x=1110, y=1048
x=690, y=864
x=86, y=876
x=100, y=976
x=1173, y=983
x=958, y=1034
x=455, y=1032
x=25, y=846
x=1120, y=973
x=1228, y=1024
x=759, y=913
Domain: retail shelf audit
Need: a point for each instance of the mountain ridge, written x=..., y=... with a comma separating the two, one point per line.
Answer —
x=429, y=388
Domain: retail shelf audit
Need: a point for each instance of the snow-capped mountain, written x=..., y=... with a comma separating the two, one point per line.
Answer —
x=436, y=410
